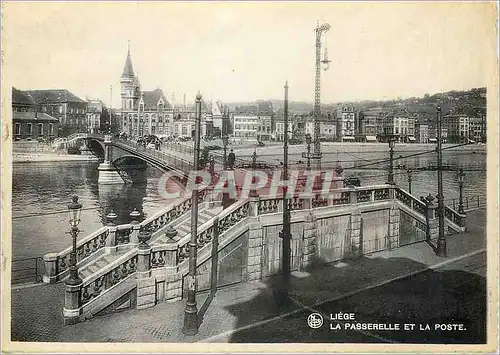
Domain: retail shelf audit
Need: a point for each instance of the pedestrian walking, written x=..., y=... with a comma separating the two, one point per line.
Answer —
x=230, y=160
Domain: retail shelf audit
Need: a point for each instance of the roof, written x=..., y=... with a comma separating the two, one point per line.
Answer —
x=30, y=116
x=53, y=96
x=151, y=99
x=22, y=98
x=247, y=110
x=265, y=107
x=128, y=71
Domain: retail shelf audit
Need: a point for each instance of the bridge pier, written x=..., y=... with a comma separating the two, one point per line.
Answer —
x=108, y=174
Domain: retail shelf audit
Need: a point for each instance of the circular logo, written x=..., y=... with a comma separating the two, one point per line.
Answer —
x=315, y=320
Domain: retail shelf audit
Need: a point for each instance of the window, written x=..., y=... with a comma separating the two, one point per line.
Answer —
x=60, y=109
x=17, y=129
x=40, y=129
x=29, y=129
x=51, y=129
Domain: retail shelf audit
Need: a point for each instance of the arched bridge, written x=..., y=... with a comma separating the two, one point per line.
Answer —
x=119, y=155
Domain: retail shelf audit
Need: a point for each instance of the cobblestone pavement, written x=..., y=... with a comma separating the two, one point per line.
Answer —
x=36, y=311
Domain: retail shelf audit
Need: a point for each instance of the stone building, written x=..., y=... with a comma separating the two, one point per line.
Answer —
x=143, y=112
x=27, y=120
x=70, y=110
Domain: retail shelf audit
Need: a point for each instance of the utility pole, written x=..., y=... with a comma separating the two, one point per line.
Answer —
x=285, y=232
x=441, y=243
x=317, y=92
x=191, y=311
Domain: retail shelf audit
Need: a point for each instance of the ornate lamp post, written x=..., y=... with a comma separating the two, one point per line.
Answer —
x=392, y=143
x=75, y=210
x=191, y=311
x=225, y=141
x=441, y=243
x=461, y=176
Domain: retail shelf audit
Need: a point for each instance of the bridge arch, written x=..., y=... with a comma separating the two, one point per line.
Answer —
x=96, y=147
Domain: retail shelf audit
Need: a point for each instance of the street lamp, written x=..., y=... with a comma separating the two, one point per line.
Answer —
x=253, y=192
x=285, y=234
x=225, y=141
x=461, y=176
x=392, y=143
x=191, y=311
x=74, y=211
x=441, y=243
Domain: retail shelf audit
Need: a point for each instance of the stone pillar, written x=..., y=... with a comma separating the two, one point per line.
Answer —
x=107, y=172
x=353, y=195
x=255, y=242
x=111, y=240
x=393, y=239
x=72, y=302
x=51, y=268
x=432, y=220
x=253, y=206
x=355, y=233
x=309, y=242
x=173, y=280
x=134, y=235
x=143, y=262
x=307, y=201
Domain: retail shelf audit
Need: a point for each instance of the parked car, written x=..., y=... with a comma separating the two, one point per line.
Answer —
x=260, y=143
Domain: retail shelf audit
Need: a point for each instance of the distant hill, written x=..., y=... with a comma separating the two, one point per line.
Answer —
x=471, y=102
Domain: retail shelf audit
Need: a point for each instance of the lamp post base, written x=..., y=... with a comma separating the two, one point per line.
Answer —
x=190, y=320
x=441, y=248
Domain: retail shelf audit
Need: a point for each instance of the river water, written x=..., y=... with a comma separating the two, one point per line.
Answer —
x=41, y=192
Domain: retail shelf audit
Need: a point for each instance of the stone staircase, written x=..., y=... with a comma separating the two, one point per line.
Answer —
x=182, y=225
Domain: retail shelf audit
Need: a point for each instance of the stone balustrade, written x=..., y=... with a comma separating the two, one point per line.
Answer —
x=411, y=201
x=108, y=276
x=166, y=264
x=57, y=264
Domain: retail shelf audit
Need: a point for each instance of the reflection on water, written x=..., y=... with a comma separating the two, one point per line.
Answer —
x=46, y=188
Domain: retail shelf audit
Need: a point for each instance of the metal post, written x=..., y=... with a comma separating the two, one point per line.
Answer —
x=253, y=192
x=224, y=144
x=285, y=233
x=317, y=93
x=441, y=243
x=309, y=156
x=409, y=180
x=461, y=175
x=191, y=311
x=74, y=279
x=390, y=178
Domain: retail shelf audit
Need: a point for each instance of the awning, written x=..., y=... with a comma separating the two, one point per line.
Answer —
x=350, y=138
x=412, y=139
x=432, y=140
x=371, y=138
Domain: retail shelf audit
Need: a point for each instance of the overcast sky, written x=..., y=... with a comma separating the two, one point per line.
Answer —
x=240, y=52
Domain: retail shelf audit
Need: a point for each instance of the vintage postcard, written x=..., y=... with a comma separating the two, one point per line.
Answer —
x=249, y=177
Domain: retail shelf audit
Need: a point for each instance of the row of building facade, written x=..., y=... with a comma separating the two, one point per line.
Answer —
x=51, y=113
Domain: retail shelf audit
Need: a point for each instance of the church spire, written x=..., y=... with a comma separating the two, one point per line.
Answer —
x=127, y=69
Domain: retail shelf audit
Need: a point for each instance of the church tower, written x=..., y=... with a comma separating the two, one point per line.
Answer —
x=129, y=84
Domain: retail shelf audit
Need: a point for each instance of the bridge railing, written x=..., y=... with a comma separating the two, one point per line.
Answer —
x=175, y=162
x=469, y=202
x=337, y=197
